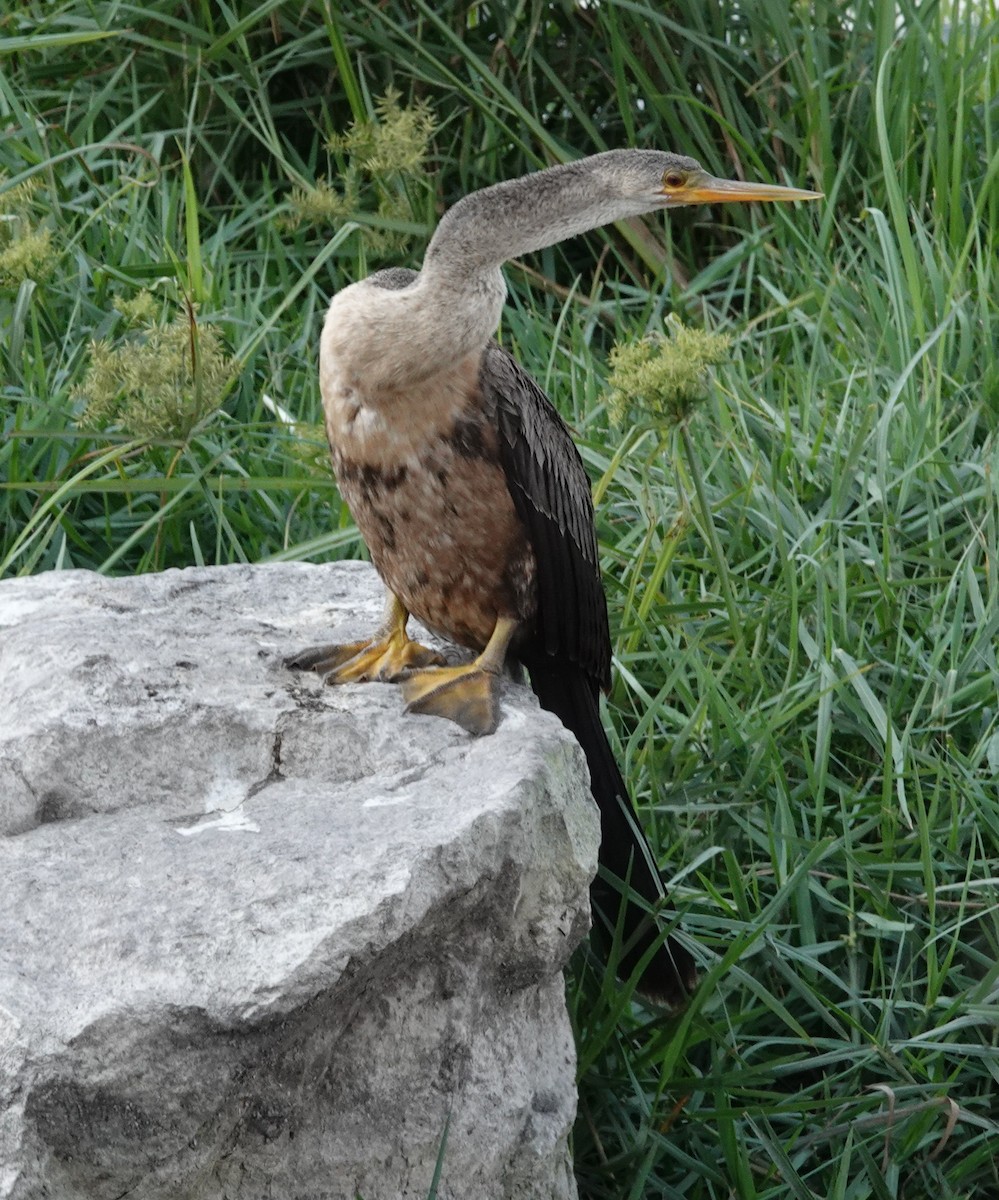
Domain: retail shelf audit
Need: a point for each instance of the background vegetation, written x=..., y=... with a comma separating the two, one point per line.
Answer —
x=803, y=576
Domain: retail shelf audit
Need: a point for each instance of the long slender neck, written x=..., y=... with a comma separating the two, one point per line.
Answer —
x=453, y=306
x=487, y=228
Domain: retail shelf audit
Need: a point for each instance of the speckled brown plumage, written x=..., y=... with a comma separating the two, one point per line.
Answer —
x=442, y=528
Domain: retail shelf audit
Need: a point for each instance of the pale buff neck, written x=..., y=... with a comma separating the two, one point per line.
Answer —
x=452, y=308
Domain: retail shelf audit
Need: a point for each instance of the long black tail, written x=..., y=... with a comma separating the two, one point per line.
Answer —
x=670, y=975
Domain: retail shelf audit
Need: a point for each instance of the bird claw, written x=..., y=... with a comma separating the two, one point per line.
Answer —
x=384, y=659
x=467, y=695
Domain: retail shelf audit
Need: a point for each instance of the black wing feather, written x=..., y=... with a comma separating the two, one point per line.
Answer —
x=551, y=493
x=568, y=658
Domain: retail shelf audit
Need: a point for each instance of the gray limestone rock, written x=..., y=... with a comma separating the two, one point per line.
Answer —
x=264, y=938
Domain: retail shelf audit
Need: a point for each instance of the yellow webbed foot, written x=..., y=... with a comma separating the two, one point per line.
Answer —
x=323, y=659
x=386, y=656
x=385, y=659
x=467, y=695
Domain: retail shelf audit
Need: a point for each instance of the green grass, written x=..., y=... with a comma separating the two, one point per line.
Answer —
x=810, y=720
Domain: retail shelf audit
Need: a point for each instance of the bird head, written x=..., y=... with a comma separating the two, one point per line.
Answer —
x=686, y=182
x=651, y=179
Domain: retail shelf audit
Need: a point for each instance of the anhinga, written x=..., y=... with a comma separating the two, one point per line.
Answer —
x=472, y=498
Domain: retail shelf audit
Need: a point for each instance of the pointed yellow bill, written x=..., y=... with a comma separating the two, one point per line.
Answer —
x=702, y=188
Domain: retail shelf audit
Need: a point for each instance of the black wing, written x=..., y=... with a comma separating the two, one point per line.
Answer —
x=569, y=659
x=551, y=493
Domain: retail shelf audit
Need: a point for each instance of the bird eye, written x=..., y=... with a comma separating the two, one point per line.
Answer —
x=673, y=179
